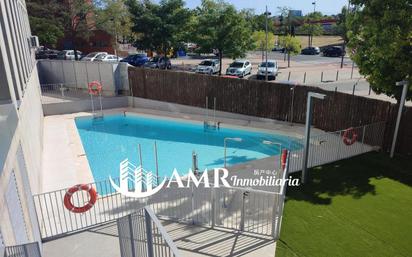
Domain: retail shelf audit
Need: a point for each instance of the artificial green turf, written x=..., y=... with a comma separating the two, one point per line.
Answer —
x=356, y=207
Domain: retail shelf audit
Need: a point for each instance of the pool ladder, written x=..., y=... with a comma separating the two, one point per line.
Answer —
x=97, y=116
x=207, y=124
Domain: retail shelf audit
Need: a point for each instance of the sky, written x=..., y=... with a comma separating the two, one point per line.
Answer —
x=324, y=6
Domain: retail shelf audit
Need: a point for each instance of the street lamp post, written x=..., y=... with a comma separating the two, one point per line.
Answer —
x=266, y=50
x=307, y=132
x=236, y=139
x=398, y=119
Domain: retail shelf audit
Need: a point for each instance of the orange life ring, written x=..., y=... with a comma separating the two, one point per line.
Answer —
x=352, y=139
x=68, y=196
x=94, y=87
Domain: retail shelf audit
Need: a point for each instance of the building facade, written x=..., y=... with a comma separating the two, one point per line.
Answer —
x=21, y=127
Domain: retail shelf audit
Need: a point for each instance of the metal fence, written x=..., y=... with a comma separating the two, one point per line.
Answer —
x=244, y=209
x=330, y=147
x=24, y=250
x=69, y=91
x=141, y=234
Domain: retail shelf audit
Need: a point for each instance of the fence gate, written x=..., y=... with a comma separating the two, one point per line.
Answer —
x=142, y=235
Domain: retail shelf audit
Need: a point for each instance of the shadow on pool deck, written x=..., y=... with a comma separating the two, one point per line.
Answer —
x=195, y=241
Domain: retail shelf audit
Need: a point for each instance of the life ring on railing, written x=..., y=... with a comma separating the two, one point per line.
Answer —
x=352, y=139
x=94, y=87
x=68, y=196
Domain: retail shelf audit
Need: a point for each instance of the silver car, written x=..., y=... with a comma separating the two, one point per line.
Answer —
x=209, y=66
x=272, y=70
x=239, y=68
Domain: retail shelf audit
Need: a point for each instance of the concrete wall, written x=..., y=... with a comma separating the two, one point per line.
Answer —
x=77, y=74
x=20, y=174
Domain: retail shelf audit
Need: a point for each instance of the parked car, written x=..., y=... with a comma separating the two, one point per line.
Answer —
x=158, y=62
x=239, y=68
x=210, y=66
x=68, y=55
x=107, y=58
x=136, y=59
x=272, y=70
x=311, y=50
x=93, y=55
x=46, y=53
x=278, y=48
x=333, y=51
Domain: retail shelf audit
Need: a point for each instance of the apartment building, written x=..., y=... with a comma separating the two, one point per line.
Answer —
x=21, y=125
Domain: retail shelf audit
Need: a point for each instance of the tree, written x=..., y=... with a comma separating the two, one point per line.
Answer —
x=219, y=26
x=311, y=28
x=259, y=41
x=46, y=23
x=115, y=19
x=380, y=36
x=291, y=44
x=342, y=30
x=160, y=27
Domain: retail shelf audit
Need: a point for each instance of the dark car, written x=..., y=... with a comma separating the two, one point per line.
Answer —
x=333, y=52
x=136, y=59
x=310, y=51
x=45, y=53
x=158, y=62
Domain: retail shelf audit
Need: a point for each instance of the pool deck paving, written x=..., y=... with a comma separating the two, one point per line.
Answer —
x=192, y=241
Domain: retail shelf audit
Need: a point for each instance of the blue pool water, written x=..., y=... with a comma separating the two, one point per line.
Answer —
x=109, y=141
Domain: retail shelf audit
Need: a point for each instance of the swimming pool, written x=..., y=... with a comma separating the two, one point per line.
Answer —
x=114, y=138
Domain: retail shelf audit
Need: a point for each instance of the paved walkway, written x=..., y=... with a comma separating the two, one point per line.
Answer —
x=192, y=241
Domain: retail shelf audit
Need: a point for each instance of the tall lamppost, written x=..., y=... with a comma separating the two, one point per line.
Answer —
x=309, y=110
x=266, y=50
x=236, y=139
x=398, y=119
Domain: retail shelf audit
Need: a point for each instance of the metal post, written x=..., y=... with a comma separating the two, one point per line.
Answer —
x=370, y=89
x=307, y=132
x=149, y=234
x=156, y=163
x=291, y=105
x=398, y=119
x=129, y=217
x=140, y=155
x=101, y=106
x=304, y=78
x=91, y=100
x=351, y=73
x=224, y=157
x=214, y=111
x=321, y=77
x=213, y=206
x=207, y=108
x=242, y=212
x=289, y=76
x=337, y=75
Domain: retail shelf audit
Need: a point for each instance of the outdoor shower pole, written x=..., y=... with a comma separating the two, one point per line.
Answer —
x=307, y=132
x=398, y=119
